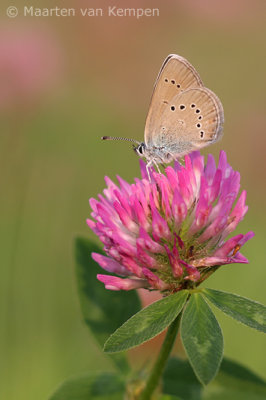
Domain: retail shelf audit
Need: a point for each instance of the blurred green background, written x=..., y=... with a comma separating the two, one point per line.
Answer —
x=65, y=82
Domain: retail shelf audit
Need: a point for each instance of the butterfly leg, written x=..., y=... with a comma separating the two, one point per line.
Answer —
x=148, y=165
x=157, y=166
x=180, y=161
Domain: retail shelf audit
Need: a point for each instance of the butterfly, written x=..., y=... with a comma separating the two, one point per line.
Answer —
x=183, y=115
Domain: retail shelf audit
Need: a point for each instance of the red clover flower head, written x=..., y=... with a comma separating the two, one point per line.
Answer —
x=170, y=233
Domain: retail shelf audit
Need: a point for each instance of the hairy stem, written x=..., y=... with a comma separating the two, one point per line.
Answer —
x=160, y=363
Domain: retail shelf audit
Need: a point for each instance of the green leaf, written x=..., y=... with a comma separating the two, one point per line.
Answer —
x=247, y=311
x=233, y=382
x=202, y=338
x=168, y=397
x=147, y=323
x=103, y=310
x=101, y=386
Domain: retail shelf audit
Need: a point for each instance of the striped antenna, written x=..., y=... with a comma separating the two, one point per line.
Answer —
x=119, y=138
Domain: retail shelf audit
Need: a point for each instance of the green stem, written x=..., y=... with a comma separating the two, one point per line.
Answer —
x=160, y=363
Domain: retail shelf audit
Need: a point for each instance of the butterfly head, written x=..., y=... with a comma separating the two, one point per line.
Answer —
x=140, y=149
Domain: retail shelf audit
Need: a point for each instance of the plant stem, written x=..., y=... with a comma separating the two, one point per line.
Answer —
x=160, y=363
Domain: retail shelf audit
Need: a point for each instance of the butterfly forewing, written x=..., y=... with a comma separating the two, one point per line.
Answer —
x=175, y=76
x=193, y=119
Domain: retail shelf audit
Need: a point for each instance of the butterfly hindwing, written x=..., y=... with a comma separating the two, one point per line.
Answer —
x=194, y=117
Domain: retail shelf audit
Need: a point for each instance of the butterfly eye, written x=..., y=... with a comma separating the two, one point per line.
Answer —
x=182, y=107
x=173, y=108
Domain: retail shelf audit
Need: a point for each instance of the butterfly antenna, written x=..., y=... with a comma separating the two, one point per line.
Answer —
x=119, y=138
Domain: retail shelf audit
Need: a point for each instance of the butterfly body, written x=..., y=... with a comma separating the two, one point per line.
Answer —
x=164, y=153
x=183, y=115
